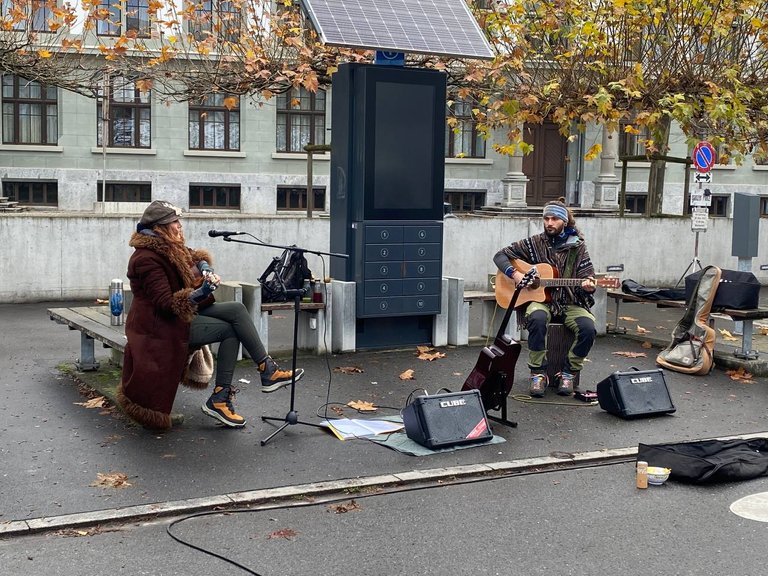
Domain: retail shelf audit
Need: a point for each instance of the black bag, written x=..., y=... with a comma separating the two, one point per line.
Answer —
x=709, y=461
x=286, y=272
x=631, y=287
x=737, y=290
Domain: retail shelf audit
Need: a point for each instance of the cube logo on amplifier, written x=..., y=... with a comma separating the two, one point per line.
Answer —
x=443, y=420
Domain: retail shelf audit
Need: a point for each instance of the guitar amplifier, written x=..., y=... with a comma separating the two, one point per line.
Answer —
x=635, y=394
x=450, y=419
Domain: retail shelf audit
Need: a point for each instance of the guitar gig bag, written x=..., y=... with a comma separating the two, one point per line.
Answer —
x=692, y=348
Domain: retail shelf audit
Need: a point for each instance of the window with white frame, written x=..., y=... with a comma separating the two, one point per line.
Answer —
x=300, y=119
x=30, y=112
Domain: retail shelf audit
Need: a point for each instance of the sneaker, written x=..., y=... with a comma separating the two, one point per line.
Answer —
x=219, y=406
x=272, y=378
x=565, y=383
x=538, y=385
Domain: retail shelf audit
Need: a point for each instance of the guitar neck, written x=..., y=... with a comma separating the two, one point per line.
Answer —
x=555, y=282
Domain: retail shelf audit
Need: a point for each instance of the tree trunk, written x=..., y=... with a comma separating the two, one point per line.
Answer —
x=658, y=171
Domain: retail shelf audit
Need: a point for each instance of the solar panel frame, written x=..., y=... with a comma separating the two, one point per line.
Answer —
x=439, y=27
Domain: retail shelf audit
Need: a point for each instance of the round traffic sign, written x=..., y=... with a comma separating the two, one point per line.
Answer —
x=703, y=156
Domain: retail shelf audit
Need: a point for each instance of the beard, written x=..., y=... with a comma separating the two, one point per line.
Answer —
x=555, y=230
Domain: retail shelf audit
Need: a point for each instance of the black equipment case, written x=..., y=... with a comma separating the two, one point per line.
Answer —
x=443, y=420
x=635, y=394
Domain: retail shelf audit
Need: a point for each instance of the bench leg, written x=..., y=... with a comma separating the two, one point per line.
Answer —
x=87, y=361
x=746, y=343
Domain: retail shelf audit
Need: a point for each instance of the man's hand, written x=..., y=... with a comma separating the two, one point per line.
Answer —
x=589, y=285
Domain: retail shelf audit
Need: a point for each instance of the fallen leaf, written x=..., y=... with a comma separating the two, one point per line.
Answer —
x=113, y=480
x=727, y=336
x=97, y=402
x=457, y=374
x=100, y=301
x=362, y=406
x=761, y=329
x=631, y=354
x=286, y=533
x=407, y=375
x=740, y=375
x=348, y=369
x=342, y=508
x=646, y=345
x=628, y=318
x=430, y=357
x=337, y=410
x=641, y=330
x=428, y=353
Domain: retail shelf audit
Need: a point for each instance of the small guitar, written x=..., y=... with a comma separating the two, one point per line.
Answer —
x=547, y=279
x=494, y=371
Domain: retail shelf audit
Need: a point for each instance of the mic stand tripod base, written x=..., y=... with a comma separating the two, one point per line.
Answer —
x=292, y=417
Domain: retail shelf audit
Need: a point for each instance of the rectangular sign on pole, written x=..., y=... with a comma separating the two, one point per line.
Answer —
x=699, y=218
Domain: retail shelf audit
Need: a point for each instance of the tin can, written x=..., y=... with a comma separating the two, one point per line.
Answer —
x=116, y=302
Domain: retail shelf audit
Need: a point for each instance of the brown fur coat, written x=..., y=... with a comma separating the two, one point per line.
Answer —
x=157, y=328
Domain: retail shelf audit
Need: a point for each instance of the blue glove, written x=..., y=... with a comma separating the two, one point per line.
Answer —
x=201, y=293
x=204, y=267
x=509, y=271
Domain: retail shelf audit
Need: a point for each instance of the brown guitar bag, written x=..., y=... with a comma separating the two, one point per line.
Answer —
x=693, y=339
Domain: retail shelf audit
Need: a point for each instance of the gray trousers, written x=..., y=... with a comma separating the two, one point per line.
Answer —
x=229, y=324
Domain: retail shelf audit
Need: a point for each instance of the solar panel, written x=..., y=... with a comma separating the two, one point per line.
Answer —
x=442, y=27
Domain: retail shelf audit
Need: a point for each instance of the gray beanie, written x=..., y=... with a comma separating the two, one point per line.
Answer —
x=159, y=212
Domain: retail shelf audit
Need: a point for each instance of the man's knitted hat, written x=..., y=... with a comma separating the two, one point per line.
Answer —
x=159, y=212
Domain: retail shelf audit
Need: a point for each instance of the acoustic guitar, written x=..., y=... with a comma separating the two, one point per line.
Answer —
x=493, y=374
x=547, y=279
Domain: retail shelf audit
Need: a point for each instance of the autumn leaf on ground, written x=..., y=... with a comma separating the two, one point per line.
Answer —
x=628, y=318
x=362, y=406
x=112, y=480
x=348, y=369
x=646, y=345
x=286, y=533
x=337, y=410
x=100, y=301
x=631, y=354
x=727, y=336
x=641, y=330
x=344, y=507
x=97, y=402
x=427, y=353
x=740, y=375
x=407, y=375
x=761, y=329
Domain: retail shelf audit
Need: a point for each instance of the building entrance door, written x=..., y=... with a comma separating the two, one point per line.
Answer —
x=545, y=167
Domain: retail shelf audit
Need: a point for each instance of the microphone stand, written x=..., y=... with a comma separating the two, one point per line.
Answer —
x=292, y=417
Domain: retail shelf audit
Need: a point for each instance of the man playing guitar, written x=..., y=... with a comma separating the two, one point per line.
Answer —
x=561, y=249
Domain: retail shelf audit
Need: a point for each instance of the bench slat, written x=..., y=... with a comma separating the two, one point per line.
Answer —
x=113, y=336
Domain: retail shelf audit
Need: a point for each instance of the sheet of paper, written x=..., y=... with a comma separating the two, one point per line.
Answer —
x=346, y=428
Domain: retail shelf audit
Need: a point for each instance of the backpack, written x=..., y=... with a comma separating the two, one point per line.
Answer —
x=693, y=340
x=286, y=272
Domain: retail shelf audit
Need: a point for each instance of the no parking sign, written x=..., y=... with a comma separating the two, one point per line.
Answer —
x=703, y=156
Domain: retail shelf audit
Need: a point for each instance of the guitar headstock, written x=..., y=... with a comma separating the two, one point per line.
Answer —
x=608, y=282
x=528, y=279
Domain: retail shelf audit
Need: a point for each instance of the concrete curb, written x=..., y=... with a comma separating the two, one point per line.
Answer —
x=535, y=465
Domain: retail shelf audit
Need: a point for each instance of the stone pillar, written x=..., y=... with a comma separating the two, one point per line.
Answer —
x=607, y=183
x=514, y=183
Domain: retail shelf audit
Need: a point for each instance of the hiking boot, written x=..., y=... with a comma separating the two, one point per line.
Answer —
x=219, y=406
x=565, y=383
x=538, y=385
x=272, y=378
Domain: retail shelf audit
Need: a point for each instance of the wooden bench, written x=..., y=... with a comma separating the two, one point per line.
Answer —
x=95, y=323
x=745, y=316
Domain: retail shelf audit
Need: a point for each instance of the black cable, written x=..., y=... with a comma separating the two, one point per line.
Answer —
x=386, y=491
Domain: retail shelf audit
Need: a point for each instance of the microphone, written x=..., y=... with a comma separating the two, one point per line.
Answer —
x=217, y=233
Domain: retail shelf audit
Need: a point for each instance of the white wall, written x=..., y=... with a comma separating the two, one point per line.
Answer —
x=59, y=256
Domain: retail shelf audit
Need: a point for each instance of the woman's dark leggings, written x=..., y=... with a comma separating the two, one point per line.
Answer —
x=229, y=324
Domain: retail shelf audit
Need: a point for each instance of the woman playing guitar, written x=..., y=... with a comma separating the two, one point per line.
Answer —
x=561, y=251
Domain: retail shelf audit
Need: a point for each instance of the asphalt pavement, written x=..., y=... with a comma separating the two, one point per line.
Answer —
x=557, y=496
